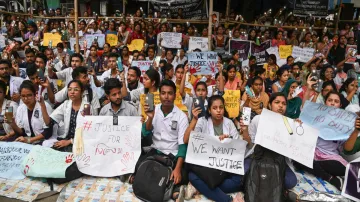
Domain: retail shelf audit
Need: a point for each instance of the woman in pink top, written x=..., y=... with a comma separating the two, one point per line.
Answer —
x=347, y=32
x=233, y=82
x=279, y=39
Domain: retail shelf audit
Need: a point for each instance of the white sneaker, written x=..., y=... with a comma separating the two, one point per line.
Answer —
x=181, y=194
x=190, y=191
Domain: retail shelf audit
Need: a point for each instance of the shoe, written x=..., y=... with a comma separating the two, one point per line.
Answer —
x=181, y=194
x=239, y=197
x=190, y=191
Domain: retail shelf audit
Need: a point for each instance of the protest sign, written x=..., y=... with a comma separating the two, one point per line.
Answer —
x=302, y=54
x=203, y=63
x=142, y=65
x=46, y=162
x=170, y=39
x=287, y=137
x=201, y=43
x=114, y=152
x=111, y=39
x=100, y=39
x=313, y=7
x=73, y=42
x=333, y=123
x=259, y=51
x=351, y=188
x=351, y=49
x=2, y=41
x=274, y=50
x=55, y=38
x=11, y=156
x=285, y=51
x=232, y=104
x=243, y=47
x=194, y=9
x=136, y=44
x=142, y=102
x=206, y=150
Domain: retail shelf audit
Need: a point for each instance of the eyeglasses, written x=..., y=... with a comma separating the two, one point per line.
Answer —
x=74, y=89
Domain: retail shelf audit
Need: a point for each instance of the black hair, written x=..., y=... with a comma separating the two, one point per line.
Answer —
x=329, y=83
x=201, y=83
x=273, y=96
x=180, y=66
x=259, y=71
x=252, y=58
x=333, y=92
x=26, y=84
x=167, y=82
x=77, y=55
x=113, y=55
x=211, y=100
x=3, y=86
x=280, y=72
x=77, y=71
x=150, y=48
x=31, y=69
x=136, y=69
x=42, y=56
x=323, y=70
x=287, y=59
x=346, y=83
x=60, y=45
x=256, y=78
x=229, y=67
x=78, y=82
x=153, y=76
x=111, y=84
x=162, y=62
x=166, y=68
x=29, y=50
x=6, y=62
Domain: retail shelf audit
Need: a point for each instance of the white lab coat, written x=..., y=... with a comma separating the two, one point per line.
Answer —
x=8, y=103
x=37, y=123
x=63, y=114
x=15, y=83
x=206, y=126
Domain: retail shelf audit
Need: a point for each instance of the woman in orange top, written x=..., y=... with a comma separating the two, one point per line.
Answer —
x=233, y=82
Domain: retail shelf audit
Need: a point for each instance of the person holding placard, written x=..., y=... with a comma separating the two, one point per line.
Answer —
x=31, y=116
x=180, y=74
x=68, y=113
x=136, y=34
x=218, y=88
x=294, y=103
x=278, y=104
x=215, y=123
x=259, y=99
x=167, y=124
x=220, y=41
x=328, y=164
x=282, y=76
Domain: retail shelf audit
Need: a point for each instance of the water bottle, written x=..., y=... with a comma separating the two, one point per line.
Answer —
x=50, y=44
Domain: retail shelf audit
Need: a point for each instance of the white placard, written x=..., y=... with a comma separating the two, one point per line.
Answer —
x=302, y=54
x=170, y=39
x=206, y=150
x=287, y=137
x=142, y=65
x=274, y=50
x=73, y=42
x=109, y=150
x=201, y=43
x=100, y=39
x=2, y=41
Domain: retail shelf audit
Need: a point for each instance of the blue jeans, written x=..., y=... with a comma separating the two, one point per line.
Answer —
x=233, y=184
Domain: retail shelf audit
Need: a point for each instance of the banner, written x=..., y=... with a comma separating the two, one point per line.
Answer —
x=302, y=54
x=2, y=41
x=192, y=9
x=142, y=102
x=285, y=51
x=206, y=150
x=136, y=44
x=203, y=63
x=313, y=7
x=287, y=137
x=54, y=38
x=333, y=123
x=201, y=43
x=142, y=65
x=112, y=39
x=46, y=162
x=11, y=156
x=232, y=104
x=260, y=51
x=243, y=47
x=90, y=38
x=351, y=188
x=116, y=151
x=170, y=39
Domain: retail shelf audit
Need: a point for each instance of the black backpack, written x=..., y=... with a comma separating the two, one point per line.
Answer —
x=264, y=181
x=152, y=181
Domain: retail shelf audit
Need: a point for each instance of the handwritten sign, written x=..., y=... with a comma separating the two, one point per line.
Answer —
x=351, y=188
x=274, y=50
x=142, y=101
x=91, y=37
x=46, y=162
x=303, y=54
x=142, y=65
x=243, y=47
x=333, y=123
x=2, y=41
x=259, y=51
x=136, y=44
x=11, y=156
x=54, y=38
x=170, y=40
x=232, y=104
x=73, y=42
x=112, y=39
x=206, y=150
x=287, y=137
x=203, y=63
x=285, y=51
x=201, y=43
x=114, y=152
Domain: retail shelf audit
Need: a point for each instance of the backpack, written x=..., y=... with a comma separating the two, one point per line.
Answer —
x=264, y=181
x=71, y=173
x=152, y=181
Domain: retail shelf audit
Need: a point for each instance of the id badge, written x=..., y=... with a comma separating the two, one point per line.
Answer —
x=173, y=125
x=36, y=114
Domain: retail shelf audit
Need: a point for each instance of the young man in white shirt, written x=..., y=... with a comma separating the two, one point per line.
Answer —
x=13, y=83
